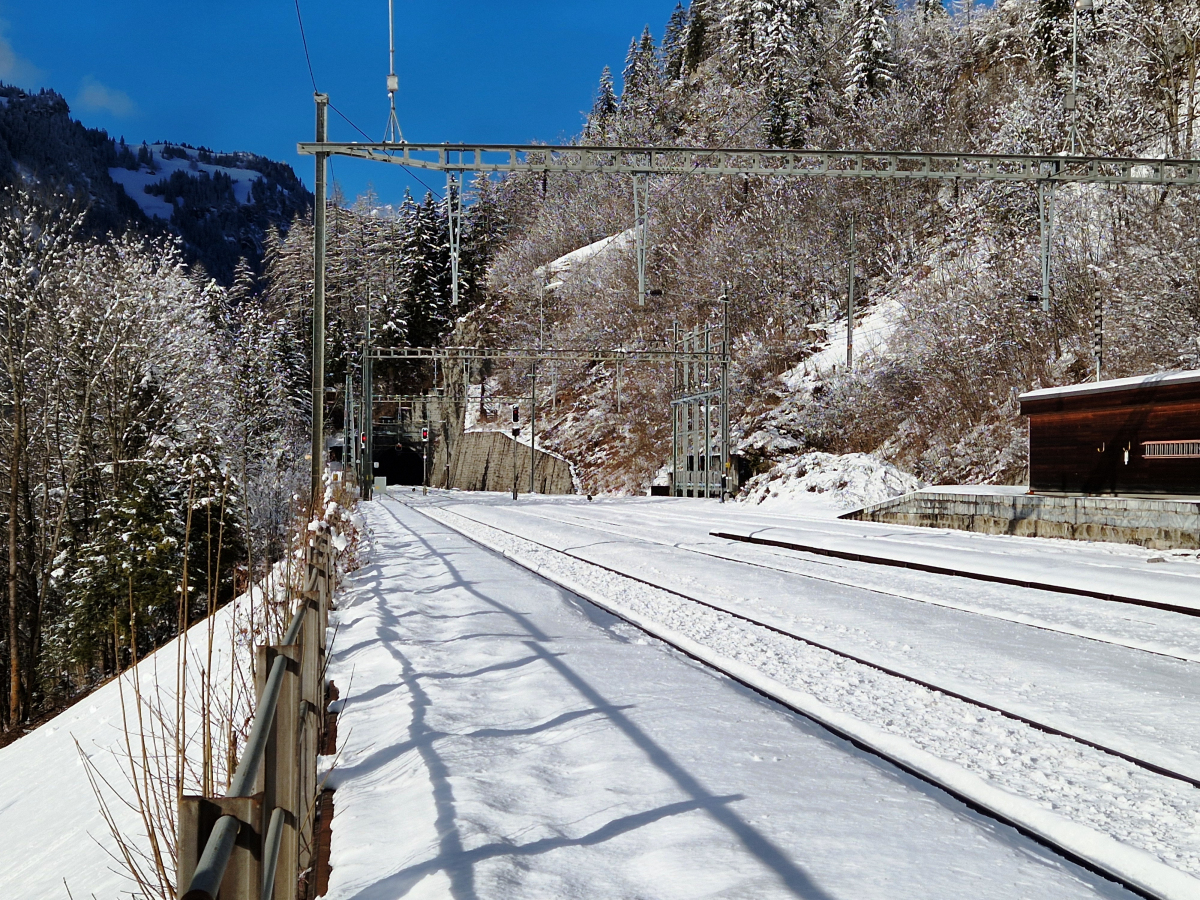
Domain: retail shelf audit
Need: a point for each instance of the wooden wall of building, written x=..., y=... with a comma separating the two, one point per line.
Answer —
x=1092, y=443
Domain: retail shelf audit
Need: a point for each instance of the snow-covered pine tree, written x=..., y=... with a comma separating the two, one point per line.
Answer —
x=695, y=42
x=785, y=58
x=931, y=10
x=642, y=75
x=674, y=43
x=870, y=65
x=604, y=107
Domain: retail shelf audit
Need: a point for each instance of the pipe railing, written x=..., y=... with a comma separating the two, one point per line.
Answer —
x=253, y=843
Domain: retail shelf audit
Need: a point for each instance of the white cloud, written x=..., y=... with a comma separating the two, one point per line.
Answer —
x=14, y=69
x=96, y=97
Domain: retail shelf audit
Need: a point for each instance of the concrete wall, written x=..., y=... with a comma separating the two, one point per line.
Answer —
x=483, y=461
x=1160, y=524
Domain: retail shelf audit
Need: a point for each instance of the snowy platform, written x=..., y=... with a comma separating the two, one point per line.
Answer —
x=1148, y=522
x=503, y=738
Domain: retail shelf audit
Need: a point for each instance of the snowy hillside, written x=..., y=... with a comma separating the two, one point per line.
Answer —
x=160, y=168
x=220, y=204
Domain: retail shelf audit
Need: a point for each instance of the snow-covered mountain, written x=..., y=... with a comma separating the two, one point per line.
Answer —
x=220, y=204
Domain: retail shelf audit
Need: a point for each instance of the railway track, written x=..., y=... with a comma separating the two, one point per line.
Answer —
x=590, y=524
x=1158, y=883
x=954, y=573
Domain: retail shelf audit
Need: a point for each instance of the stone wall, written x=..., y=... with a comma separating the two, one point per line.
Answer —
x=1159, y=524
x=483, y=461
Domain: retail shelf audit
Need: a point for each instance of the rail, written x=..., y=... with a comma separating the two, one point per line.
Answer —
x=253, y=843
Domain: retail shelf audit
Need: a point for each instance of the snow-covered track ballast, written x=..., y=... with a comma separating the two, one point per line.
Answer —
x=956, y=572
x=1131, y=866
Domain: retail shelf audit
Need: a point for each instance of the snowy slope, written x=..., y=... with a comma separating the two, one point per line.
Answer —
x=135, y=182
x=577, y=262
x=50, y=821
x=503, y=740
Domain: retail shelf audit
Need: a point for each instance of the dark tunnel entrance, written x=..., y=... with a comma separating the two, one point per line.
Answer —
x=398, y=461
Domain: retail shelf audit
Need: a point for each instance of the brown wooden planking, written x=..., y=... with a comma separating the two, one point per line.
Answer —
x=1140, y=395
x=1077, y=444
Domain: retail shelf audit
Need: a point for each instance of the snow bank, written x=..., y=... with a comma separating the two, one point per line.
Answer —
x=816, y=480
x=559, y=271
x=55, y=838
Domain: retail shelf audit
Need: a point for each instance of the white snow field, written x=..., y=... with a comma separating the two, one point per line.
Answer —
x=1103, y=671
x=136, y=181
x=502, y=738
x=53, y=838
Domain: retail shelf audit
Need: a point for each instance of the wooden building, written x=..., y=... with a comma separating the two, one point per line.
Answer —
x=1135, y=436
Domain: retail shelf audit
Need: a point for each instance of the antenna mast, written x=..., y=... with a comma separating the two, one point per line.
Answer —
x=392, y=135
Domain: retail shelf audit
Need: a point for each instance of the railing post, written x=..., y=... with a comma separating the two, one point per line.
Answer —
x=279, y=778
x=224, y=838
x=197, y=816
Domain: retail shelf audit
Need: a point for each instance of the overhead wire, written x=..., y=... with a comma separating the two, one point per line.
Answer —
x=349, y=121
x=304, y=41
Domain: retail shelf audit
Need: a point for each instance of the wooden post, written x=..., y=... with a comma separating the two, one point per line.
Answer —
x=279, y=778
x=197, y=816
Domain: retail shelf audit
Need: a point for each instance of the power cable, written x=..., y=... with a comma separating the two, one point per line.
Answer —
x=349, y=121
x=304, y=41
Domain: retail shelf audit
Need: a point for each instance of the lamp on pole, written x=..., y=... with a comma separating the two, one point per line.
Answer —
x=368, y=456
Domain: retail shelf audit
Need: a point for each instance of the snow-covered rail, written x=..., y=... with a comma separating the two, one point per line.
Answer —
x=958, y=572
x=1082, y=842
x=899, y=593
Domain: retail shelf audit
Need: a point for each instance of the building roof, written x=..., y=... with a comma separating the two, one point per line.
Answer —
x=1159, y=379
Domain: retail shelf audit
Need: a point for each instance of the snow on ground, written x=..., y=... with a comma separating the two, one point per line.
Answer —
x=825, y=483
x=872, y=332
x=1153, y=813
x=54, y=836
x=563, y=269
x=502, y=739
x=135, y=182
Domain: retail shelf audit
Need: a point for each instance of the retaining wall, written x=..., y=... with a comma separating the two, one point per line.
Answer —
x=483, y=461
x=1159, y=524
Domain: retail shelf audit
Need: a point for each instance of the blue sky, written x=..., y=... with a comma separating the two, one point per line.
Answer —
x=232, y=75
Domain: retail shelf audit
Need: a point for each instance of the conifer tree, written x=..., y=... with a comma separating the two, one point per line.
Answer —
x=642, y=75
x=696, y=38
x=931, y=10
x=870, y=65
x=674, y=43
x=605, y=106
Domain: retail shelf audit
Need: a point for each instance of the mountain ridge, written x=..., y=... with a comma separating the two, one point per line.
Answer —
x=221, y=206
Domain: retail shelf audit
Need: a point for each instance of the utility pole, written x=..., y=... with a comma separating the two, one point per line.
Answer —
x=533, y=428
x=318, y=340
x=349, y=436
x=674, y=409
x=1046, y=217
x=850, y=303
x=425, y=455
x=641, y=209
x=726, y=458
x=1071, y=100
x=516, y=433
x=368, y=410
x=392, y=135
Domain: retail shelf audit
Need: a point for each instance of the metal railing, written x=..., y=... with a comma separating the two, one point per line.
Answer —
x=253, y=843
